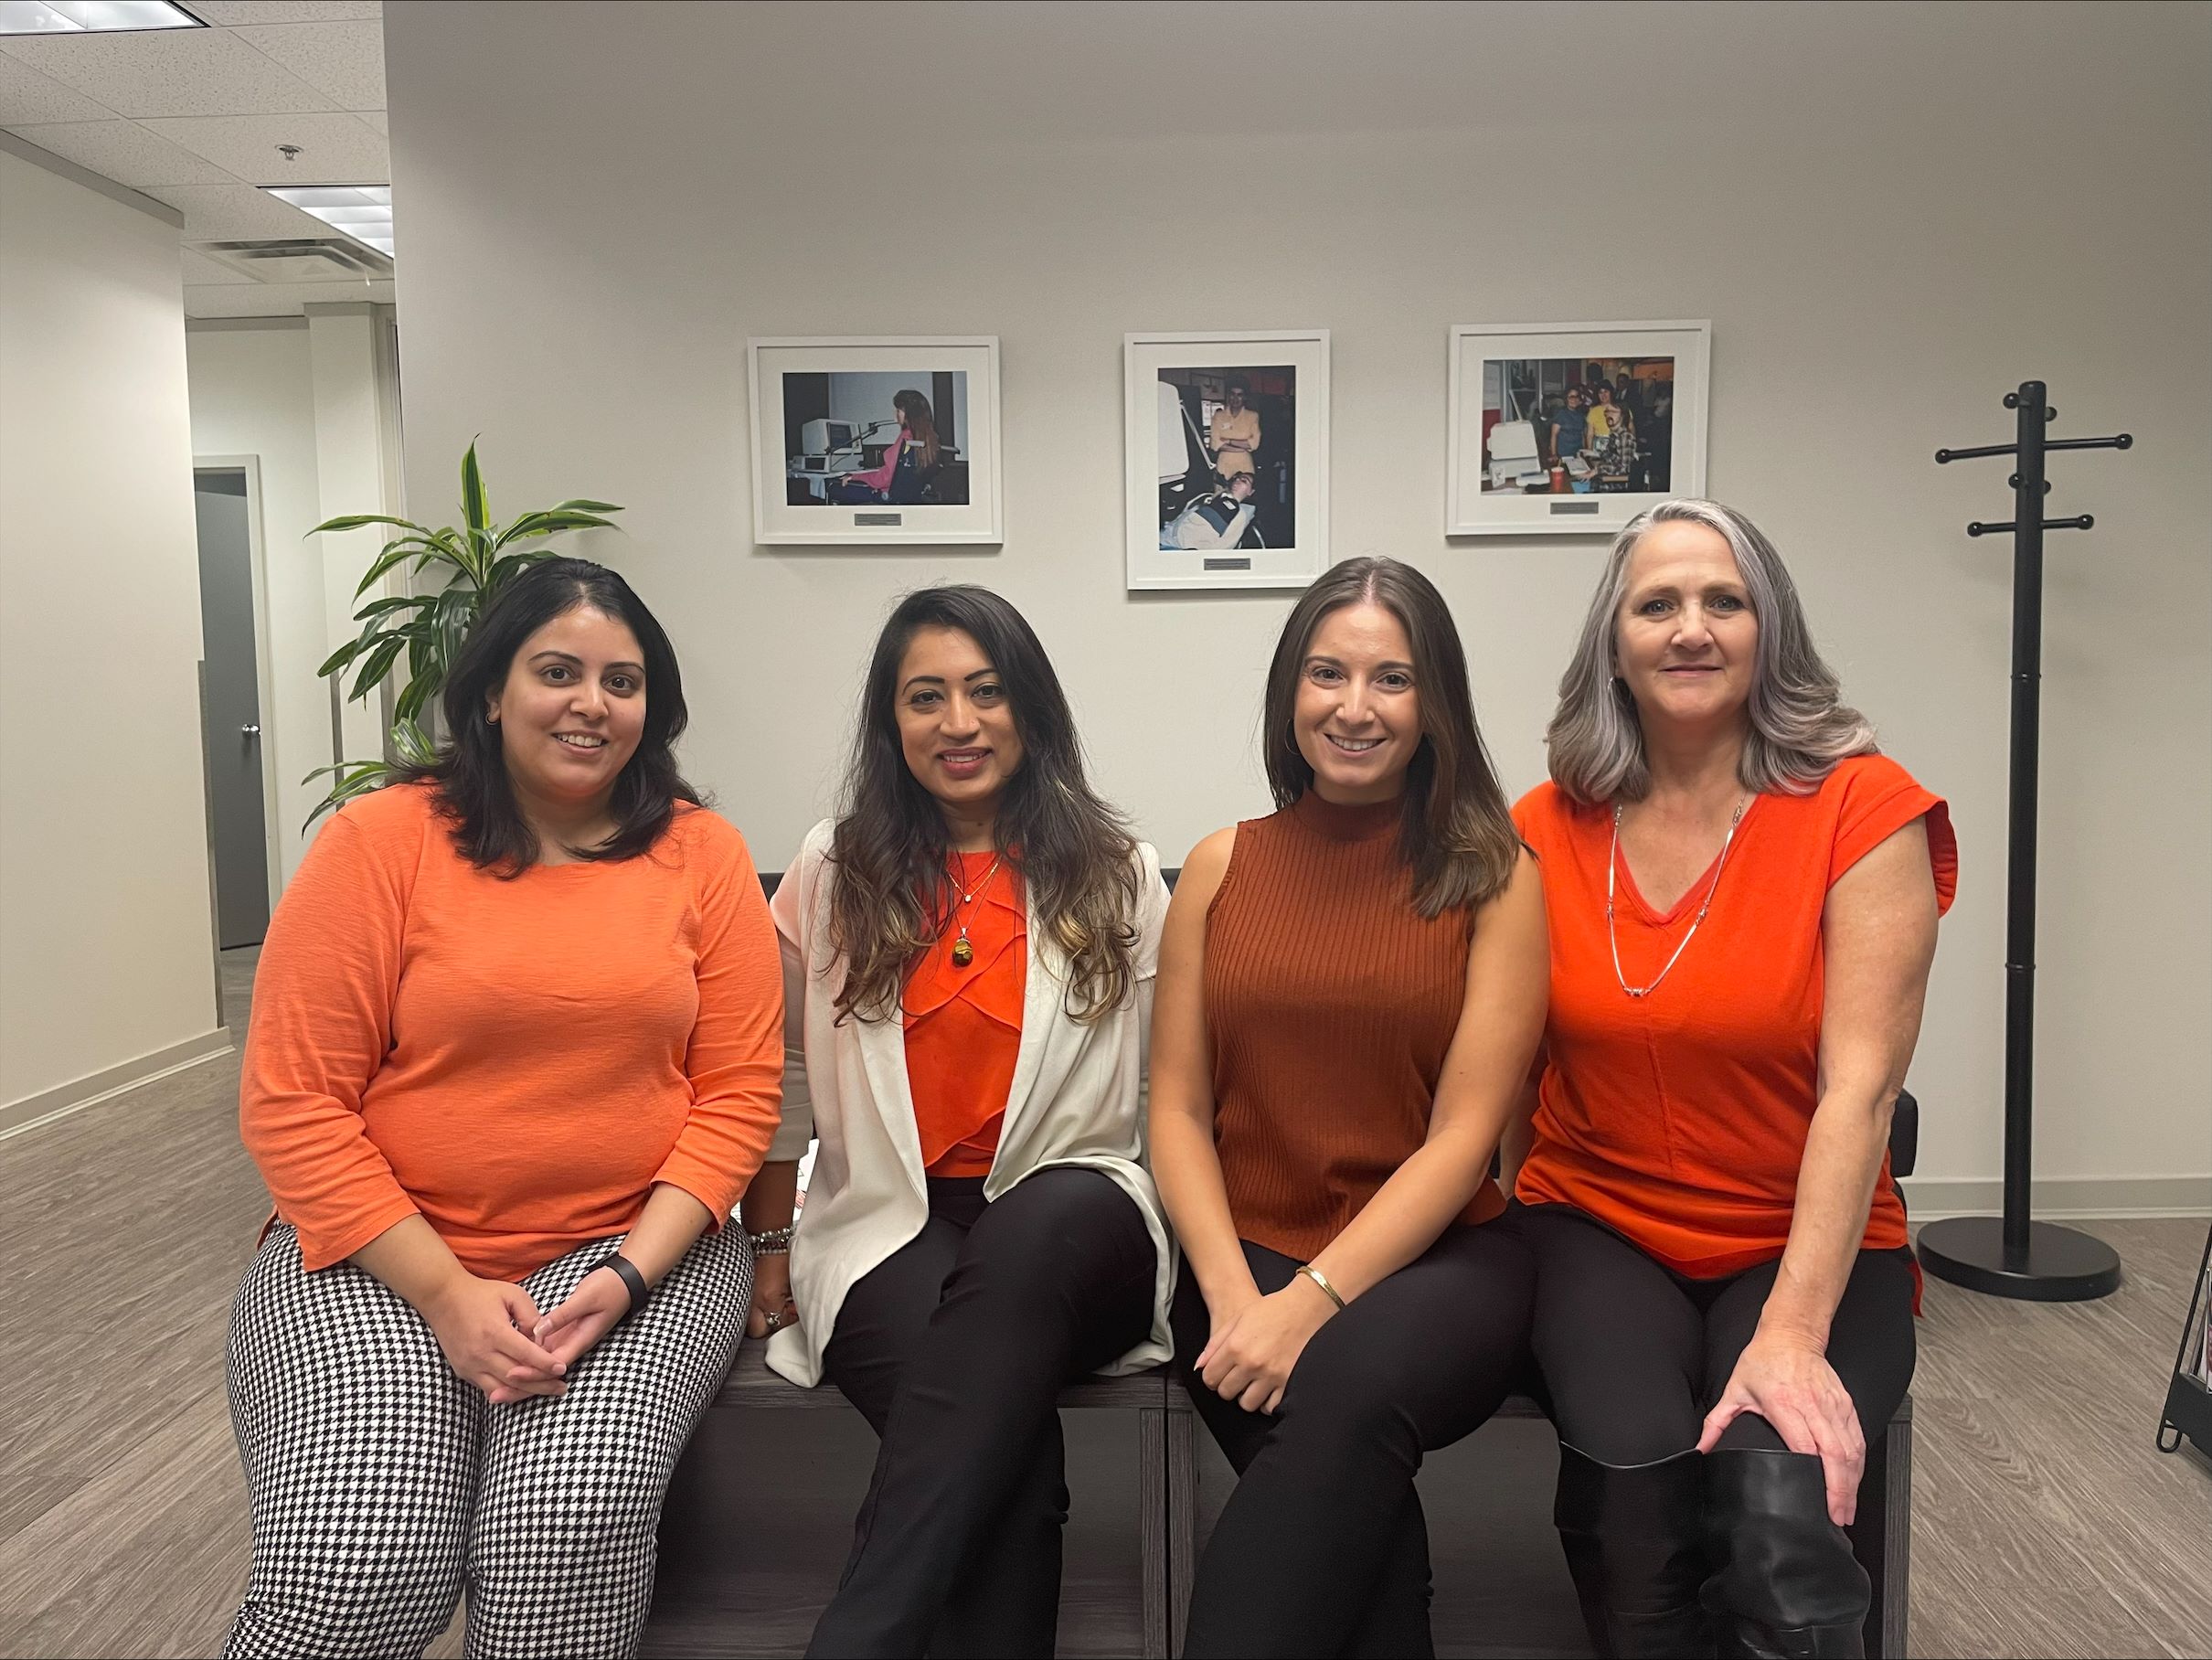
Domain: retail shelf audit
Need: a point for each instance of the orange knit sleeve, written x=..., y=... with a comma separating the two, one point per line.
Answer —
x=322, y=997
x=735, y=1060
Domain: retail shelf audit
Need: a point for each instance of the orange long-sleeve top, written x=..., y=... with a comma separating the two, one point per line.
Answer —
x=519, y=1061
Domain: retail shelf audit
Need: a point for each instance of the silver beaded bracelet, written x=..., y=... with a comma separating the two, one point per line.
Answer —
x=775, y=1242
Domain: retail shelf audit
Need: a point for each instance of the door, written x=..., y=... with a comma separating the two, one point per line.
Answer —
x=231, y=707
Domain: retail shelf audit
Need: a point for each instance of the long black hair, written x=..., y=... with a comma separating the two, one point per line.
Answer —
x=471, y=773
x=1457, y=836
x=1074, y=850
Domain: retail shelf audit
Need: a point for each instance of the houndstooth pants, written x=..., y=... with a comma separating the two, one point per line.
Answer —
x=381, y=1482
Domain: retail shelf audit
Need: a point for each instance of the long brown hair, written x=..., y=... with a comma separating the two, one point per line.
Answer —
x=921, y=423
x=1075, y=853
x=1457, y=836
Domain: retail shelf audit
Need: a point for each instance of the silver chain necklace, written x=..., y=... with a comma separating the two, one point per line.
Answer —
x=1613, y=862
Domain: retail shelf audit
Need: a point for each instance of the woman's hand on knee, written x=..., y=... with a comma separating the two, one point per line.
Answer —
x=482, y=1325
x=1787, y=1381
x=773, y=1309
x=1250, y=1355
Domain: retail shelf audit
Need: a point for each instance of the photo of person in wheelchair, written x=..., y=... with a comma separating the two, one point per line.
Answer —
x=1227, y=449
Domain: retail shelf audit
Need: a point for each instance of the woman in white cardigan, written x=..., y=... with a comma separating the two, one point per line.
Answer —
x=968, y=954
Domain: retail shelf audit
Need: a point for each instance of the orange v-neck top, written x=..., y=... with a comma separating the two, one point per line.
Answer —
x=1679, y=1119
x=517, y=1060
x=963, y=1025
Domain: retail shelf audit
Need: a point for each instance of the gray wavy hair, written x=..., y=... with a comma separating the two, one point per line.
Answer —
x=1801, y=727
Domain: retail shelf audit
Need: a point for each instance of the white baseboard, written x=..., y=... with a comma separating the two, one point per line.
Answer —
x=1928, y=1197
x=59, y=1102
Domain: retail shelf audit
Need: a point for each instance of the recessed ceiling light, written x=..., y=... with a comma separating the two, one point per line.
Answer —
x=363, y=212
x=91, y=16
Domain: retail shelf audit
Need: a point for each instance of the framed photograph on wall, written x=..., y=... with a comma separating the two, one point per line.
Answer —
x=1227, y=458
x=1572, y=429
x=863, y=442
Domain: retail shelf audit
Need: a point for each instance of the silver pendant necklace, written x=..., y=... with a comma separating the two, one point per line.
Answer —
x=1613, y=862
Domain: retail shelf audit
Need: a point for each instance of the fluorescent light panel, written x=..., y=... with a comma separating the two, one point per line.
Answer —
x=91, y=16
x=363, y=212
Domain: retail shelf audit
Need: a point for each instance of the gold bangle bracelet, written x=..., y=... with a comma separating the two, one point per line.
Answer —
x=1321, y=1280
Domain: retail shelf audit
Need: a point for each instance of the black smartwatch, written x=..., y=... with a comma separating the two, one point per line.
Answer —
x=627, y=1271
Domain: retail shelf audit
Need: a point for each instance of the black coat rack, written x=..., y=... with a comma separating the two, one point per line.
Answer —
x=2016, y=1256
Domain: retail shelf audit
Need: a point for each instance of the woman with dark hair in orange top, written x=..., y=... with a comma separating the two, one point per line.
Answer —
x=1743, y=898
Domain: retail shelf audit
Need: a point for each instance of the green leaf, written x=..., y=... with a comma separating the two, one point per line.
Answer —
x=550, y=522
x=354, y=521
x=338, y=659
x=512, y=564
x=584, y=505
x=474, y=508
x=385, y=562
x=412, y=743
x=379, y=660
x=412, y=696
x=377, y=608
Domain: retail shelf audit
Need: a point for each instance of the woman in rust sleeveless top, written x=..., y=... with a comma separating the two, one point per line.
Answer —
x=1350, y=993
x=1743, y=899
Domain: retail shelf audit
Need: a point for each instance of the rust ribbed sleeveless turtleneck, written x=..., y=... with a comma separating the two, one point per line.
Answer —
x=1330, y=1004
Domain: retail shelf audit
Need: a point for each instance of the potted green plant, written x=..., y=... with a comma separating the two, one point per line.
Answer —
x=480, y=559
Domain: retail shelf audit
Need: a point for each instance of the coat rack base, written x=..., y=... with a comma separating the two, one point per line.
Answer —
x=2060, y=1265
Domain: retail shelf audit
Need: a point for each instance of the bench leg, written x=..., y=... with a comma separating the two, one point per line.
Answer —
x=1882, y=1539
x=1169, y=1496
x=1182, y=1521
x=1897, y=1542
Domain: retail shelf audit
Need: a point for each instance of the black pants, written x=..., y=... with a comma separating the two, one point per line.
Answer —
x=1322, y=1550
x=1633, y=1355
x=953, y=1349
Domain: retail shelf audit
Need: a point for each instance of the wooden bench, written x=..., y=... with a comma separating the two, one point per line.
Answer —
x=1167, y=1499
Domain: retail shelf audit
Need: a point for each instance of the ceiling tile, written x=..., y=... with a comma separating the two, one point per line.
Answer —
x=376, y=119
x=167, y=72
x=227, y=213
x=344, y=61
x=200, y=270
x=27, y=96
x=225, y=13
x=125, y=152
x=278, y=299
x=333, y=149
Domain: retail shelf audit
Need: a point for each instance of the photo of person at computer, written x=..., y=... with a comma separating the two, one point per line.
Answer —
x=868, y=438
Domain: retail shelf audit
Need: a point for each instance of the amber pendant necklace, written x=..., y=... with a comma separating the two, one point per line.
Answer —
x=963, y=953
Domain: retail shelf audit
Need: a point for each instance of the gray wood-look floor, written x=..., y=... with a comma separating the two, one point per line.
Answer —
x=2044, y=1522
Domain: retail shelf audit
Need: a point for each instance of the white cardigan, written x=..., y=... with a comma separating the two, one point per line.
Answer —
x=1076, y=1100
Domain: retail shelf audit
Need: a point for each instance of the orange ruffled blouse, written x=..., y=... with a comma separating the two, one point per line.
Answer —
x=963, y=1025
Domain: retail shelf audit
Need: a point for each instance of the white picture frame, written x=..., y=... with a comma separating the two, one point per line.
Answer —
x=1286, y=488
x=838, y=392
x=1502, y=376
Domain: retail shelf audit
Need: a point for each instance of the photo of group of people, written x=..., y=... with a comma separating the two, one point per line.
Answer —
x=1562, y=425
x=1227, y=442
x=874, y=438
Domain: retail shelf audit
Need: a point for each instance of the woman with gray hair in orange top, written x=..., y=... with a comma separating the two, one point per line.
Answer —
x=1742, y=897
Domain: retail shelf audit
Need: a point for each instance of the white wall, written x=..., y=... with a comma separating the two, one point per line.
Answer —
x=1892, y=216
x=253, y=393
x=106, y=941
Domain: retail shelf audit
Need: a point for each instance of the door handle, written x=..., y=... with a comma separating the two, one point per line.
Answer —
x=249, y=731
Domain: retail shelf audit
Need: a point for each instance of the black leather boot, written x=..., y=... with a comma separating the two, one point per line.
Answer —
x=1786, y=1587
x=1632, y=1537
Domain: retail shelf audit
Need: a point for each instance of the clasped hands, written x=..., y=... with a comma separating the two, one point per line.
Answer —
x=1256, y=1343
x=1785, y=1377
x=495, y=1337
